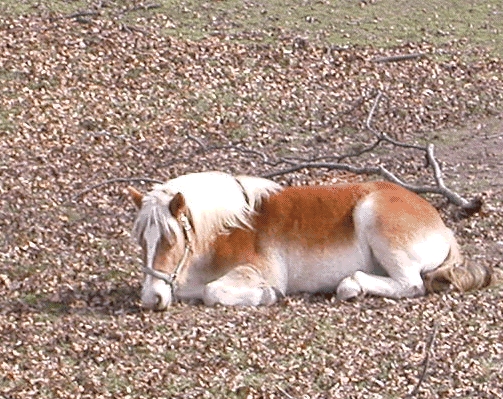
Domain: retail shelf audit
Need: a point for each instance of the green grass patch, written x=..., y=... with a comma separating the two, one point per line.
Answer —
x=382, y=23
x=341, y=23
x=30, y=7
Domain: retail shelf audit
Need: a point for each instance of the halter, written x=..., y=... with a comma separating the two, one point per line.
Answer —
x=170, y=279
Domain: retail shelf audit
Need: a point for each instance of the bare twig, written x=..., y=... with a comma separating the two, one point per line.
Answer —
x=187, y=139
x=197, y=140
x=494, y=136
x=112, y=181
x=287, y=395
x=332, y=162
x=383, y=136
x=82, y=14
x=78, y=15
x=399, y=57
x=368, y=122
x=143, y=7
x=131, y=28
x=205, y=149
x=426, y=361
x=436, y=167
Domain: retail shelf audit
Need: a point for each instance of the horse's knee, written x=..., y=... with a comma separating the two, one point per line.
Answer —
x=243, y=286
x=211, y=294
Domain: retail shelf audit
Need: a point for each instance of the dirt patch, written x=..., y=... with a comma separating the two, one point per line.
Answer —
x=472, y=159
x=474, y=154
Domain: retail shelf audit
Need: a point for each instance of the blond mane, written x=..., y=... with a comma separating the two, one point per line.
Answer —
x=216, y=201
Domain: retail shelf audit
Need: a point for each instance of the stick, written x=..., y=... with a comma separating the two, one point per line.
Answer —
x=79, y=14
x=468, y=208
x=287, y=395
x=141, y=7
x=399, y=57
x=426, y=361
x=368, y=122
x=331, y=162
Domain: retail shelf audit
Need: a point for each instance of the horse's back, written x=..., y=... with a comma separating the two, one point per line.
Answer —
x=318, y=235
x=319, y=215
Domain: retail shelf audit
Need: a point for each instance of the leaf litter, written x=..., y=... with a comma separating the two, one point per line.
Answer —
x=86, y=102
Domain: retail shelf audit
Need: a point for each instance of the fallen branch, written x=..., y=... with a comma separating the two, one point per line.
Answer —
x=494, y=136
x=131, y=28
x=286, y=165
x=381, y=136
x=203, y=148
x=82, y=14
x=78, y=15
x=468, y=207
x=142, y=7
x=284, y=393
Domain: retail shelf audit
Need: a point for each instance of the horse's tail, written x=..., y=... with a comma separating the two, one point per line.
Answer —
x=457, y=272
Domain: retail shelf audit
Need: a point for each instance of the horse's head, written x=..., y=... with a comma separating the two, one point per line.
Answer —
x=162, y=228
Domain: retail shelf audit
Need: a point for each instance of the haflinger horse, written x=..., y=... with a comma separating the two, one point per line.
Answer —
x=246, y=240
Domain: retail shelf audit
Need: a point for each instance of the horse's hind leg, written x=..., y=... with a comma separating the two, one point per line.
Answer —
x=364, y=283
x=403, y=279
x=242, y=286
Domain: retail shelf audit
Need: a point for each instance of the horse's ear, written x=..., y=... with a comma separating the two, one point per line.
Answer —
x=177, y=205
x=136, y=196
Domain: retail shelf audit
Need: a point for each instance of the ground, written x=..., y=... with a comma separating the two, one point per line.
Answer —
x=89, y=99
x=475, y=163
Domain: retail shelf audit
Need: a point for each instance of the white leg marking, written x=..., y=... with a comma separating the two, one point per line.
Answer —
x=348, y=289
x=242, y=286
x=380, y=286
x=403, y=258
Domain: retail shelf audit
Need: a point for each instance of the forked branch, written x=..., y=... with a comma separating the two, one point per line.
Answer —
x=468, y=207
x=285, y=165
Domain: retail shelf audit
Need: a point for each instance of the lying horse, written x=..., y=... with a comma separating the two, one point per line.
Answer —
x=248, y=241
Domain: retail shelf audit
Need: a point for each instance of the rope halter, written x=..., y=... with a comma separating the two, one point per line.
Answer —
x=170, y=278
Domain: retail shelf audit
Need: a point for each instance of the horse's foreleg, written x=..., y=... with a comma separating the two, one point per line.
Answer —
x=364, y=283
x=242, y=286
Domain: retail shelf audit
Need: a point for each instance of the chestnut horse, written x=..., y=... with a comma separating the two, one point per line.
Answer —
x=248, y=241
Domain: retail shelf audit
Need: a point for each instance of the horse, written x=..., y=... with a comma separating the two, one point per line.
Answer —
x=244, y=240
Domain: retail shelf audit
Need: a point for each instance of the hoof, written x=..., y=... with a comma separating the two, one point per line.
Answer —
x=348, y=289
x=270, y=296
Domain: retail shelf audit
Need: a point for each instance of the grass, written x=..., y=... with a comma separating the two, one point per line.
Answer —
x=384, y=23
x=6, y=125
